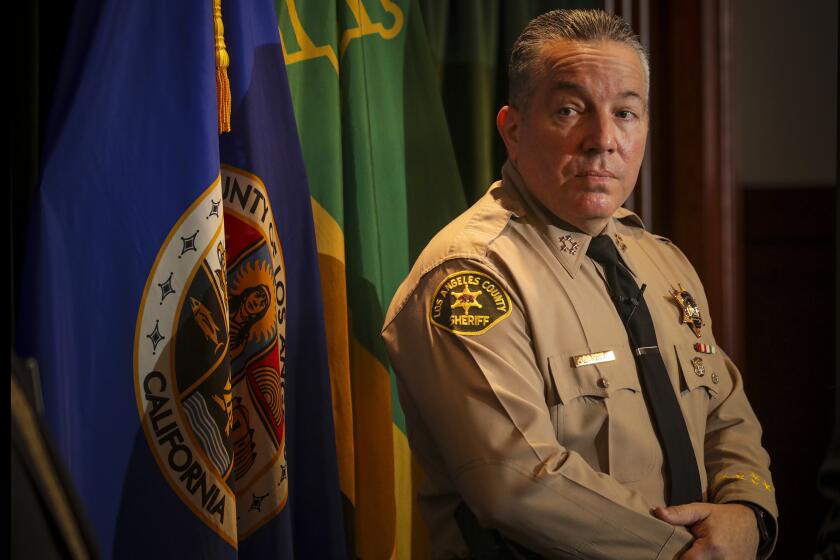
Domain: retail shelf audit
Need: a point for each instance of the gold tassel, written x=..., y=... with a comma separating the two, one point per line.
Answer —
x=222, y=63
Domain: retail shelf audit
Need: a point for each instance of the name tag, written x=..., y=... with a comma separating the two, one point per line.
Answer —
x=594, y=358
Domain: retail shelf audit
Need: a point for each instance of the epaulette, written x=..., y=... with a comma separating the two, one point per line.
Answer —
x=662, y=239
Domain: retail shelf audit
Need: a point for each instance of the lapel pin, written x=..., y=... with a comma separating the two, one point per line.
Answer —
x=699, y=368
x=704, y=348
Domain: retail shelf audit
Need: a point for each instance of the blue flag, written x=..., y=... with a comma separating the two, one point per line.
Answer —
x=172, y=295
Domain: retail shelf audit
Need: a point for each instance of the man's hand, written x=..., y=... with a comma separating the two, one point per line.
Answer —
x=721, y=531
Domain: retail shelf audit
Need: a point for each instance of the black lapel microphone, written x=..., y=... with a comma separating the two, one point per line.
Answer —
x=635, y=301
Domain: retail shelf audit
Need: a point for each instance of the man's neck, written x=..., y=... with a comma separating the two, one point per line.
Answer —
x=592, y=227
x=589, y=227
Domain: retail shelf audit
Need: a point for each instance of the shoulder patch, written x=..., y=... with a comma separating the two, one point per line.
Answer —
x=469, y=303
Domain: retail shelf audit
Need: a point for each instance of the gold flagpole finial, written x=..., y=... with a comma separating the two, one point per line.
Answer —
x=222, y=63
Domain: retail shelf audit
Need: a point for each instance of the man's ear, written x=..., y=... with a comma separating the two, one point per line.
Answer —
x=507, y=122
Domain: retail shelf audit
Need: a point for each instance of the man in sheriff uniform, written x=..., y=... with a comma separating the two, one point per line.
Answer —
x=562, y=387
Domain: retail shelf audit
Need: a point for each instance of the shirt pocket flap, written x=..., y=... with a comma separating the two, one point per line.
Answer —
x=699, y=369
x=582, y=375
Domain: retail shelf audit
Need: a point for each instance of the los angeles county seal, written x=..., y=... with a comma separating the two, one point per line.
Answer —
x=209, y=358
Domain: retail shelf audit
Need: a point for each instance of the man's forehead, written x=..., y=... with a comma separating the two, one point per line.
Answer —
x=561, y=48
x=573, y=61
x=606, y=70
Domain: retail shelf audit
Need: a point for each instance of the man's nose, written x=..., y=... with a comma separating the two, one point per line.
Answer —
x=599, y=135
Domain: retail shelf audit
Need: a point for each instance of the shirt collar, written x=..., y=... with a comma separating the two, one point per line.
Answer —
x=568, y=243
x=617, y=231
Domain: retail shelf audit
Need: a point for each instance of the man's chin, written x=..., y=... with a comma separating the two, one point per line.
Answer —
x=599, y=209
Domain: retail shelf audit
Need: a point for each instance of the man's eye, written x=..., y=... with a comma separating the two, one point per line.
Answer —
x=566, y=111
x=625, y=115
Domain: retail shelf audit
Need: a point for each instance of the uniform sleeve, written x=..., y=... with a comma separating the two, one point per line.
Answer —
x=737, y=466
x=481, y=398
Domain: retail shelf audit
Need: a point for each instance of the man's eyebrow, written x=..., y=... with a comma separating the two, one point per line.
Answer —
x=631, y=93
x=559, y=86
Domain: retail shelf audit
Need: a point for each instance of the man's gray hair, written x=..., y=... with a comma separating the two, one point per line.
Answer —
x=570, y=25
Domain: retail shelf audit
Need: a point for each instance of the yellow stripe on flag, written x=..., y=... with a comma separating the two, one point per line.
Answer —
x=412, y=535
x=375, y=507
x=330, y=241
x=328, y=234
x=378, y=473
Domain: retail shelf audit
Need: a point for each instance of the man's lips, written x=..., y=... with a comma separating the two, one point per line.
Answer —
x=597, y=173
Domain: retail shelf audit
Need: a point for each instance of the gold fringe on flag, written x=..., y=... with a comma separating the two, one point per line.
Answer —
x=222, y=63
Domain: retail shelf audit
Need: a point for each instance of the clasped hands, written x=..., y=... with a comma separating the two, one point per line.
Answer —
x=721, y=531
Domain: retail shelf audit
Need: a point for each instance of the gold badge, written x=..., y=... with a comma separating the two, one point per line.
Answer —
x=469, y=302
x=690, y=312
x=699, y=368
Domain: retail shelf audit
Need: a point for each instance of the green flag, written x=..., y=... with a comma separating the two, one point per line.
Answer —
x=383, y=179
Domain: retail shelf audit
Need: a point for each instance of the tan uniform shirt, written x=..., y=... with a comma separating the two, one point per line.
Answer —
x=564, y=460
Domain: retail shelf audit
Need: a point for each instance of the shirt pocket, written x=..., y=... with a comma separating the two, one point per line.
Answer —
x=701, y=378
x=602, y=414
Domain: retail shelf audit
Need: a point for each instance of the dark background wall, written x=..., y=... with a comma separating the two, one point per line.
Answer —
x=785, y=155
